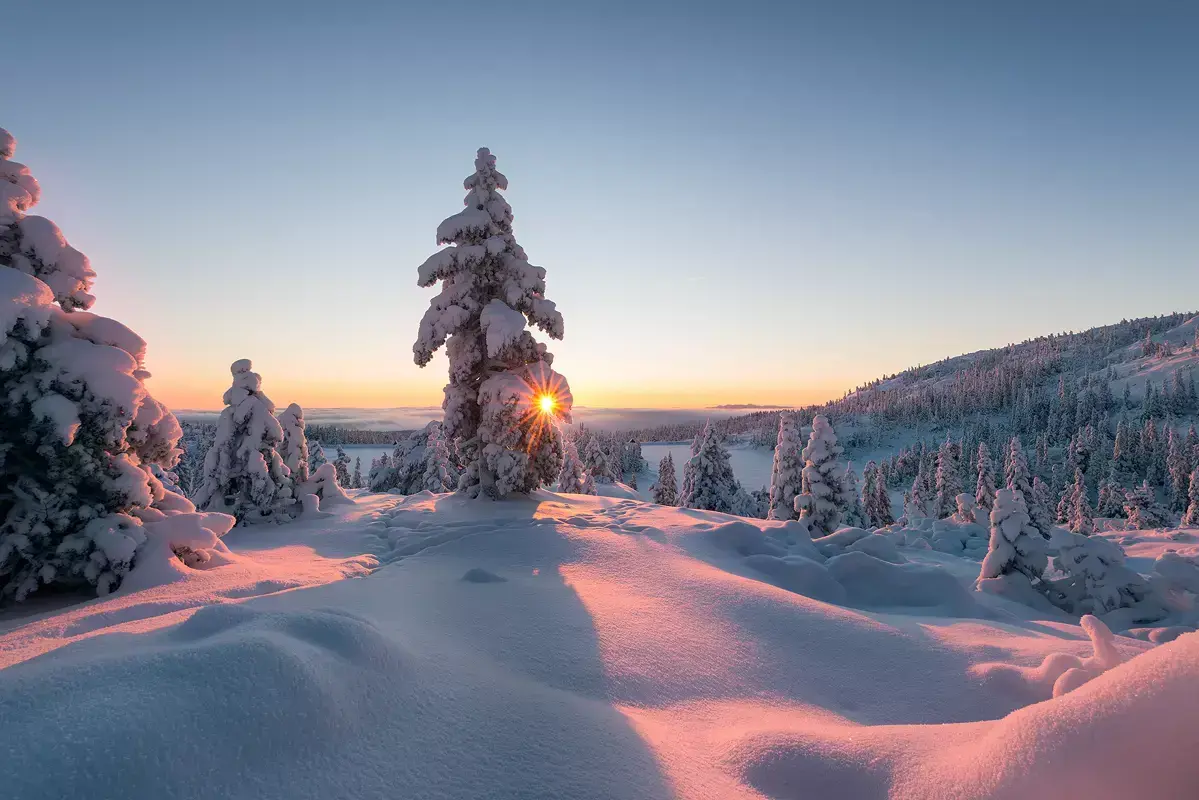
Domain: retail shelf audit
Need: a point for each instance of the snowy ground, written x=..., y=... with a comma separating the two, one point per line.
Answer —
x=579, y=647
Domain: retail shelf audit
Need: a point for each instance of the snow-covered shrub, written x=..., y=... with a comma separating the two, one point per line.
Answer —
x=323, y=484
x=708, y=477
x=574, y=478
x=967, y=509
x=244, y=474
x=294, y=448
x=665, y=490
x=82, y=443
x=1096, y=578
x=822, y=498
x=498, y=372
x=786, y=475
x=1017, y=549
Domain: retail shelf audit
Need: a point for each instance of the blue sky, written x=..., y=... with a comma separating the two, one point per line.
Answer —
x=740, y=202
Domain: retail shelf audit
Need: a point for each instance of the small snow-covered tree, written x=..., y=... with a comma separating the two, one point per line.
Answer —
x=341, y=466
x=438, y=475
x=984, y=487
x=949, y=480
x=665, y=491
x=1191, y=517
x=1081, y=519
x=1096, y=579
x=823, y=497
x=595, y=460
x=1016, y=547
x=918, y=502
x=574, y=478
x=316, y=456
x=356, y=477
x=876, y=500
x=1143, y=510
x=786, y=475
x=294, y=448
x=1018, y=480
x=403, y=472
x=244, y=474
x=853, y=515
x=503, y=399
x=1178, y=465
x=1039, y=510
x=709, y=477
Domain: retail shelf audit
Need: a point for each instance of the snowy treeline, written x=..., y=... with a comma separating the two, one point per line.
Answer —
x=424, y=460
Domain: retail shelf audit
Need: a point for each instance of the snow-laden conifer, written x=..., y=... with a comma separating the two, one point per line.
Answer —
x=1143, y=510
x=786, y=475
x=574, y=478
x=294, y=449
x=665, y=490
x=1081, y=519
x=316, y=456
x=1016, y=547
x=438, y=475
x=1095, y=579
x=984, y=487
x=1191, y=517
x=853, y=515
x=709, y=477
x=356, y=476
x=341, y=467
x=498, y=372
x=244, y=474
x=823, y=498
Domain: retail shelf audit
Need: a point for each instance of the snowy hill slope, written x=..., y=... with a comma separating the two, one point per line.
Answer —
x=581, y=647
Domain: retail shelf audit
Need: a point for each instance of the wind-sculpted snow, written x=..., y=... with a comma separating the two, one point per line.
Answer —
x=572, y=646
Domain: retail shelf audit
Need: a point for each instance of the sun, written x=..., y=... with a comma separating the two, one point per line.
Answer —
x=547, y=402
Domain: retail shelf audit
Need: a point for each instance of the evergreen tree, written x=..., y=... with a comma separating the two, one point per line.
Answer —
x=882, y=515
x=316, y=456
x=1042, y=502
x=984, y=488
x=294, y=449
x=823, y=498
x=1017, y=479
x=853, y=516
x=786, y=476
x=1191, y=517
x=665, y=490
x=1178, y=465
x=244, y=474
x=709, y=477
x=1152, y=455
x=1142, y=509
x=949, y=481
x=596, y=461
x=574, y=478
x=1111, y=499
x=356, y=478
x=341, y=466
x=499, y=374
x=84, y=447
x=1016, y=547
x=1082, y=518
x=438, y=474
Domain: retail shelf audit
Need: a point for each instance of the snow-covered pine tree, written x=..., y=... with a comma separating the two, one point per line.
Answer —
x=665, y=491
x=595, y=460
x=877, y=500
x=1042, y=502
x=496, y=404
x=244, y=474
x=1096, y=579
x=1143, y=510
x=438, y=475
x=948, y=480
x=712, y=486
x=1017, y=479
x=919, y=503
x=984, y=487
x=1081, y=518
x=341, y=465
x=83, y=442
x=316, y=456
x=1178, y=466
x=786, y=476
x=1191, y=518
x=574, y=478
x=853, y=515
x=616, y=461
x=356, y=477
x=1123, y=471
x=1111, y=500
x=1016, y=547
x=294, y=449
x=823, y=498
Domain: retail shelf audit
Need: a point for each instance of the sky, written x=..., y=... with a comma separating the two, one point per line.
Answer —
x=734, y=202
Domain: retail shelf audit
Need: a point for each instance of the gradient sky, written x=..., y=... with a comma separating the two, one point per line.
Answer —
x=737, y=202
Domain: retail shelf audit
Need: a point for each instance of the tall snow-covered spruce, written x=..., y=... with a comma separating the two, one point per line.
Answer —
x=83, y=442
x=503, y=400
x=665, y=491
x=786, y=475
x=244, y=475
x=823, y=497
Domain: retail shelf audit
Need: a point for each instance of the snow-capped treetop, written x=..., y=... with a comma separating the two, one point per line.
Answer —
x=34, y=245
